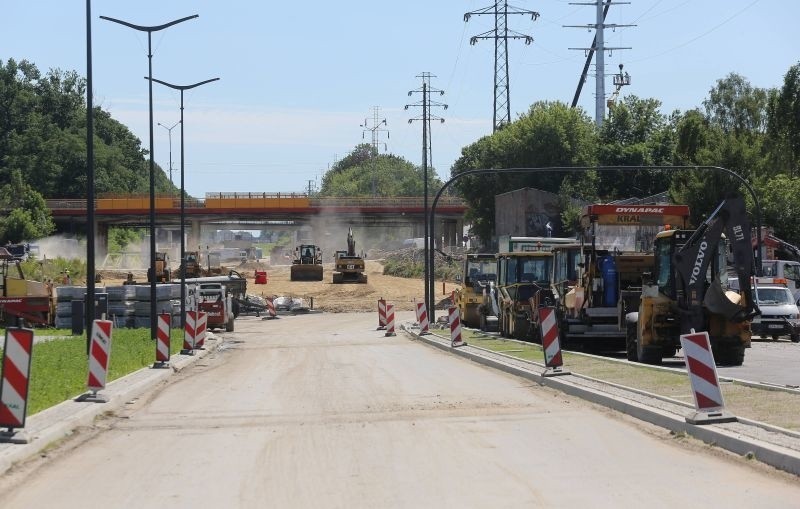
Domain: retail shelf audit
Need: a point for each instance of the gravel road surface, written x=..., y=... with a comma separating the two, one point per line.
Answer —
x=324, y=411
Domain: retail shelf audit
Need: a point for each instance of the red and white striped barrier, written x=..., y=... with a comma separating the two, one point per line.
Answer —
x=699, y=359
x=271, y=307
x=99, y=355
x=551, y=345
x=200, y=332
x=162, y=338
x=422, y=318
x=381, y=314
x=454, y=318
x=389, y=320
x=190, y=331
x=15, y=377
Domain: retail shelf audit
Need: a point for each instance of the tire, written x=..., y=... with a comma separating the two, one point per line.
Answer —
x=229, y=325
x=631, y=349
x=795, y=338
x=520, y=328
x=483, y=322
x=729, y=356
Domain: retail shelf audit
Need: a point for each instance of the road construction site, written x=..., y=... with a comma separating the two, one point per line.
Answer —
x=343, y=415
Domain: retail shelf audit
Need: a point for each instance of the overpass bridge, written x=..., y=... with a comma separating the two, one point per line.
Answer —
x=257, y=211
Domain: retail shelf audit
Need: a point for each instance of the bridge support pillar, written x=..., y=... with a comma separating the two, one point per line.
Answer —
x=100, y=240
x=195, y=235
x=451, y=235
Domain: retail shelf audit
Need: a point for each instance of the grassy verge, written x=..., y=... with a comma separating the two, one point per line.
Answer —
x=59, y=368
x=779, y=408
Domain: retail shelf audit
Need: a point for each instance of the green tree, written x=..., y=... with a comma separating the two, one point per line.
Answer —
x=550, y=134
x=783, y=124
x=28, y=217
x=391, y=175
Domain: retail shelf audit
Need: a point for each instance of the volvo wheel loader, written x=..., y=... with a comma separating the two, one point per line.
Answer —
x=688, y=290
x=307, y=263
x=348, y=266
x=479, y=270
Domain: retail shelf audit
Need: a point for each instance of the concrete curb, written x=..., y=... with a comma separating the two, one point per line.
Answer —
x=59, y=421
x=771, y=454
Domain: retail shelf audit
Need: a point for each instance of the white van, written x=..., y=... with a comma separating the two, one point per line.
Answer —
x=784, y=269
x=779, y=314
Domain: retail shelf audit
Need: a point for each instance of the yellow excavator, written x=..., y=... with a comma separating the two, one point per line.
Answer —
x=348, y=266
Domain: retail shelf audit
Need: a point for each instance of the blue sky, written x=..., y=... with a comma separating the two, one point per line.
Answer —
x=298, y=79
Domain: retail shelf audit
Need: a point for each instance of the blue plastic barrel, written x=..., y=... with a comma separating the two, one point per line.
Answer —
x=608, y=269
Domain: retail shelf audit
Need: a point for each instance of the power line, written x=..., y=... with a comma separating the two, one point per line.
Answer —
x=501, y=34
x=375, y=130
x=598, y=48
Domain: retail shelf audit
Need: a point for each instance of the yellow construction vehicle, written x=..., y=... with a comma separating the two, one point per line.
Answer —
x=348, y=266
x=162, y=274
x=478, y=270
x=307, y=263
x=191, y=267
x=22, y=300
x=688, y=290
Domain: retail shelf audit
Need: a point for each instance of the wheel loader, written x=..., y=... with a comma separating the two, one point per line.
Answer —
x=307, y=263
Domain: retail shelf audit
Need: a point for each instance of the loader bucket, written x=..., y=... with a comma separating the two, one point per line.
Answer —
x=306, y=272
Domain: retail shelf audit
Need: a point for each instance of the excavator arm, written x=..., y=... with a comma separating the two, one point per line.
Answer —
x=693, y=259
x=351, y=243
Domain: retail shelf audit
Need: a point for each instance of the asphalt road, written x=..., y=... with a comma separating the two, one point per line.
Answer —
x=325, y=411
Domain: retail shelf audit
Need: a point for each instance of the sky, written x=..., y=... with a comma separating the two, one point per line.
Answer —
x=299, y=79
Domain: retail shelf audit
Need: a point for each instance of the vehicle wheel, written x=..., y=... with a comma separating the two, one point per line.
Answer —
x=630, y=343
x=669, y=351
x=483, y=322
x=521, y=328
x=775, y=337
x=229, y=325
x=795, y=337
x=729, y=356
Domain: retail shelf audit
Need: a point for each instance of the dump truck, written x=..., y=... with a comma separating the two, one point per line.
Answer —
x=307, y=263
x=479, y=269
x=348, y=266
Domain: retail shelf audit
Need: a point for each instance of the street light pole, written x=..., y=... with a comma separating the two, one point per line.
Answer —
x=169, y=130
x=150, y=30
x=183, y=219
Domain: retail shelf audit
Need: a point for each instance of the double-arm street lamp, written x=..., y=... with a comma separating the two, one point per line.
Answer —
x=169, y=131
x=183, y=219
x=150, y=30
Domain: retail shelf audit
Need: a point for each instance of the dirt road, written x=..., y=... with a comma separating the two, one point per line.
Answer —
x=324, y=411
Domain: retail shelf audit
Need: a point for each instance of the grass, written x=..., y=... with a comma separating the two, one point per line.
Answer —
x=59, y=369
x=779, y=408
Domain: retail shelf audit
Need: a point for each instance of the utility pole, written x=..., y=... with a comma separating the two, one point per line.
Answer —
x=376, y=131
x=426, y=104
x=599, y=48
x=501, y=34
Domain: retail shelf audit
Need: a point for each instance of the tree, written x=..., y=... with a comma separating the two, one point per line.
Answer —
x=736, y=106
x=392, y=176
x=550, y=134
x=28, y=217
x=783, y=124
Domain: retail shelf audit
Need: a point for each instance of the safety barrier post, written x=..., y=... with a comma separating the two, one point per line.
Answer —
x=389, y=320
x=454, y=318
x=16, y=368
x=551, y=345
x=99, y=355
x=189, y=333
x=381, y=314
x=270, y=309
x=162, y=340
x=422, y=318
x=708, y=402
x=200, y=332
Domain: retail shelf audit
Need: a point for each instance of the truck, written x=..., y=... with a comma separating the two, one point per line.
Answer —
x=214, y=299
x=478, y=271
x=789, y=270
x=348, y=265
x=307, y=263
x=688, y=289
x=597, y=280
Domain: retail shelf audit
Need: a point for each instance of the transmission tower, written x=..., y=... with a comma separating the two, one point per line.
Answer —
x=599, y=48
x=376, y=131
x=426, y=104
x=501, y=34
